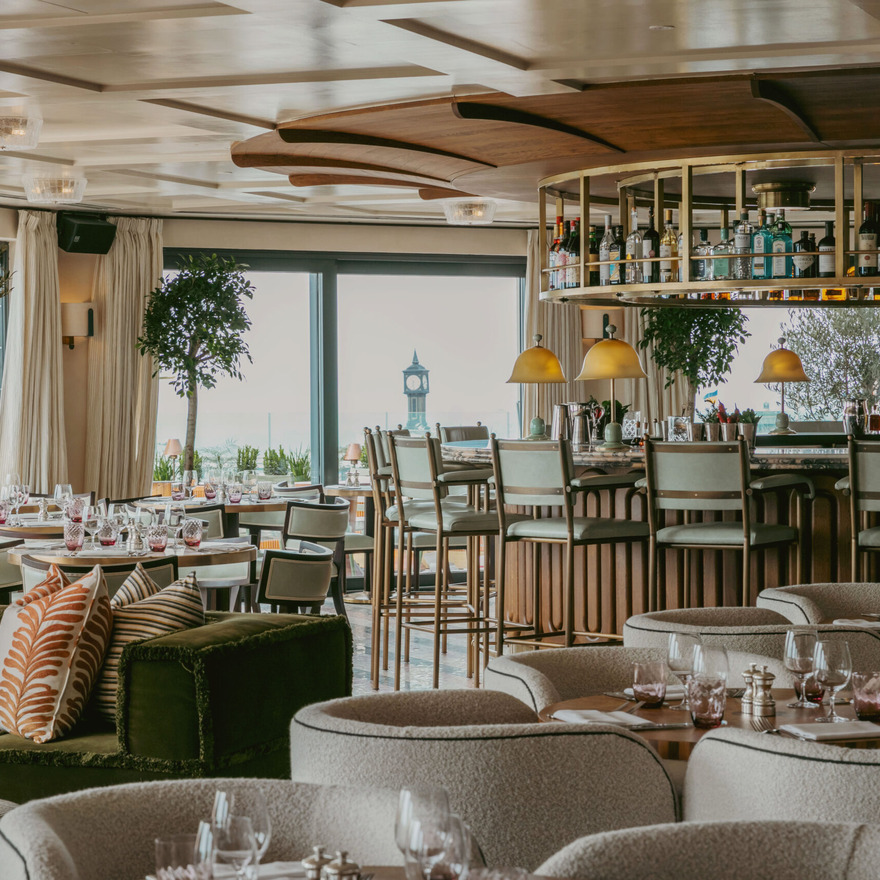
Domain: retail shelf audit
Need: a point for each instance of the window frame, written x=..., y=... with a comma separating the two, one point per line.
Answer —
x=324, y=270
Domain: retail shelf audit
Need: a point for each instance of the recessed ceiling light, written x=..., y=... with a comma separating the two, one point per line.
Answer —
x=661, y=27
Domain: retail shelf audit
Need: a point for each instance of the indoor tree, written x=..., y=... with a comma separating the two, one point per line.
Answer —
x=695, y=345
x=194, y=326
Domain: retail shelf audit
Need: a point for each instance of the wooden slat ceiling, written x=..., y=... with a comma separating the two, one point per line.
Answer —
x=375, y=109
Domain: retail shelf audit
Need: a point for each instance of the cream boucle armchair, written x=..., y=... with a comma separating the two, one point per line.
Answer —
x=107, y=833
x=525, y=788
x=821, y=603
x=723, y=851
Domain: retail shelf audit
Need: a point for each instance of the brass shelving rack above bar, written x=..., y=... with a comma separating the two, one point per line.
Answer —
x=647, y=183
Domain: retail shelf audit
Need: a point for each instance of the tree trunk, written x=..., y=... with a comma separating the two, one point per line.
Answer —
x=690, y=408
x=192, y=409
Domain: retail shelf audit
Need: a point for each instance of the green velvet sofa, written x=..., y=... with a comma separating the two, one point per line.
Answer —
x=216, y=700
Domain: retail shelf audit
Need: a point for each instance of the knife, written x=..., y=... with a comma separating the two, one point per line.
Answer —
x=673, y=725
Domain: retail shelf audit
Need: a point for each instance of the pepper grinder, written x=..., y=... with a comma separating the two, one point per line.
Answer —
x=43, y=507
x=763, y=703
x=314, y=864
x=341, y=868
x=748, y=696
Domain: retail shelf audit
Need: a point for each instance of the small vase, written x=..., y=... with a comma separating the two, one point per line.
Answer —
x=712, y=431
x=728, y=431
x=749, y=432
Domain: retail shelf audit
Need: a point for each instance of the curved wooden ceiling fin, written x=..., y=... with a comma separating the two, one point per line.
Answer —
x=500, y=113
x=358, y=180
x=765, y=90
x=323, y=162
x=317, y=136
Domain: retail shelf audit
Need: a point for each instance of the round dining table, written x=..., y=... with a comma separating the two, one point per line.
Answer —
x=679, y=742
x=231, y=512
x=30, y=526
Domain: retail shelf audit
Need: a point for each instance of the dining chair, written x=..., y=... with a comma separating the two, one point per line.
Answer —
x=698, y=477
x=822, y=603
x=461, y=433
x=163, y=571
x=536, y=475
x=423, y=505
x=217, y=580
x=297, y=577
x=862, y=485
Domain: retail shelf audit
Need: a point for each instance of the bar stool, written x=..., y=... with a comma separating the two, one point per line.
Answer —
x=537, y=474
x=862, y=485
x=713, y=476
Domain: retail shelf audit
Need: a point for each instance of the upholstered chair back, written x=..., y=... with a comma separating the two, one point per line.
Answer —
x=532, y=473
x=821, y=603
x=298, y=575
x=317, y=522
x=864, y=474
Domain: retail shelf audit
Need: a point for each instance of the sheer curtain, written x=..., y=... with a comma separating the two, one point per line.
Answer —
x=32, y=436
x=123, y=395
x=560, y=325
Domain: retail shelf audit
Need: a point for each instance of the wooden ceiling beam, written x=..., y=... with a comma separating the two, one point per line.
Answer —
x=772, y=93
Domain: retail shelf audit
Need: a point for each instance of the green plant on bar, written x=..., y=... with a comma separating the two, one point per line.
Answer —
x=276, y=462
x=749, y=417
x=163, y=469
x=300, y=460
x=711, y=415
x=246, y=458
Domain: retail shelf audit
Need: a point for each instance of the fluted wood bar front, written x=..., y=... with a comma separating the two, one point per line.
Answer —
x=611, y=582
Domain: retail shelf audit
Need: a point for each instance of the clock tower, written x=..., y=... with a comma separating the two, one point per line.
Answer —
x=415, y=387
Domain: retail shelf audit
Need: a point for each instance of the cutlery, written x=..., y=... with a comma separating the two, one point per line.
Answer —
x=621, y=707
x=635, y=707
x=620, y=695
x=672, y=725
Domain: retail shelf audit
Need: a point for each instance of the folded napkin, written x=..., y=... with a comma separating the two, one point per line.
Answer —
x=218, y=545
x=856, y=621
x=594, y=716
x=673, y=692
x=30, y=544
x=269, y=871
x=823, y=731
x=105, y=551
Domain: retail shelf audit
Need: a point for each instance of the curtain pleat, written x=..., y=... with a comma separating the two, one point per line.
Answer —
x=123, y=394
x=32, y=436
x=560, y=325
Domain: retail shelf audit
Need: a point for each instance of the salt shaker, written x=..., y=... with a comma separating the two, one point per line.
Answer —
x=341, y=868
x=749, y=692
x=763, y=703
x=314, y=864
x=43, y=507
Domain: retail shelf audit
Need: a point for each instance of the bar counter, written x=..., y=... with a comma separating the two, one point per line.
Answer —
x=611, y=582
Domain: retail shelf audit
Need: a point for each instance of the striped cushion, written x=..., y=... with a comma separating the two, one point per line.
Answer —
x=52, y=644
x=138, y=585
x=178, y=606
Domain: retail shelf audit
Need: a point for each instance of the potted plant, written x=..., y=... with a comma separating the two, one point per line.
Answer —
x=194, y=326
x=163, y=474
x=300, y=460
x=711, y=422
x=748, y=426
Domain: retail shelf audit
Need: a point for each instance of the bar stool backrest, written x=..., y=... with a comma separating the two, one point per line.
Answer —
x=316, y=522
x=459, y=433
x=532, y=473
x=383, y=449
x=697, y=476
x=415, y=463
x=864, y=475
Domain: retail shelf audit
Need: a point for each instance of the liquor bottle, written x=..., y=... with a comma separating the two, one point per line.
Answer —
x=867, y=262
x=702, y=268
x=573, y=268
x=762, y=243
x=781, y=246
x=742, y=245
x=804, y=260
x=874, y=420
x=721, y=269
x=605, y=253
x=668, y=249
x=594, y=255
x=554, y=254
x=650, y=248
x=826, y=251
x=617, y=255
x=634, y=251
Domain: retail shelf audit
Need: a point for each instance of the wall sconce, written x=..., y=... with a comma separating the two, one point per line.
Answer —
x=77, y=319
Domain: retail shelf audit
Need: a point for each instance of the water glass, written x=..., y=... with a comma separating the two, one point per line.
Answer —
x=210, y=488
x=235, y=845
x=192, y=532
x=73, y=509
x=5, y=507
x=178, y=858
x=708, y=699
x=832, y=667
x=866, y=695
x=177, y=491
x=680, y=660
x=74, y=534
x=62, y=492
x=264, y=490
x=157, y=538
x=799, y=647
x=245, y=799
x=235, y=493
x=649, y=683
x=418, y=804
x=108, y=532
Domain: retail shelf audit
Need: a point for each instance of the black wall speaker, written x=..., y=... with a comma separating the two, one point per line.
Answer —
x=84, y=233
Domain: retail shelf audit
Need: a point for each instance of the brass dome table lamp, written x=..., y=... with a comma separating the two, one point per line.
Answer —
x=780, y=366
x=539, y=365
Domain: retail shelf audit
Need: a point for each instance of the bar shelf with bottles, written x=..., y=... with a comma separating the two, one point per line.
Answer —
x=763, y=264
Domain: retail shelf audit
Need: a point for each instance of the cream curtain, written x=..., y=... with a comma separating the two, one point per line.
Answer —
x=649, y=397
x=32, y=437
x=560, y=325
x=121, y=430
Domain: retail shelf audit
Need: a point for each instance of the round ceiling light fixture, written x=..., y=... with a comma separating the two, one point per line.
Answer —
x=793, y=195
x=19, y=132
x=54, y=190
x=469, y=212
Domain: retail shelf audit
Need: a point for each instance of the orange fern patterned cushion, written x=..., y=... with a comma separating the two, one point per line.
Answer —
x=52, y=645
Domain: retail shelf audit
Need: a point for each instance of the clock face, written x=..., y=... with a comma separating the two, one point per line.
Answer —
x=414, y=383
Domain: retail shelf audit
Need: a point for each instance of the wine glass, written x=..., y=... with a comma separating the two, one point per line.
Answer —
x=800, y=645
x=455, y=861
x=175, y=516
x=62, y=492
x=235, y=845
x=90, y=522
x=184, y=856
x=418, y=803
x=710, y=662
x=680, y=660
x=832, y=667
x=245, y=800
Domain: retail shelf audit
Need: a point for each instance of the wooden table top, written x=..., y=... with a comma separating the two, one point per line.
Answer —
x=273, y=505
x=679, y=743
x=344, y=491
x=216, y=553
x=32, y=527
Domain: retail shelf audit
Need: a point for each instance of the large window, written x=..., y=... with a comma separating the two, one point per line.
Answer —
x=331, y=335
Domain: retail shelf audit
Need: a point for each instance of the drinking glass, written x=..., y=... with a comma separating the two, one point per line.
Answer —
x=210, y=485
x=191, y=532
x=4, y=510
x=707, y=688
x=418, y=803
x=866, y=695
x=107, y=532
x=235, y=493
x=264, y=490
x=799, y=647
x=12, y=496
x=157, y=538
x=245, y=800
x=456, y=861
x=73, y=509
x=74, y=533
x=188, y=479
x=177, y=493
x=680, y=660
x=90, y=521
x=235, y=845
x=710, y=661
x=175, y=516
x=649, y=683
x=180, y=857
x=832, y=667
x=61, y=493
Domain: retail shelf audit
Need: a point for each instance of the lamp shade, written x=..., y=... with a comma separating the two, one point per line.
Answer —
x=537, y=364
x=353, y=453
x=782, y=365
x=612, y=359
x=173, y=448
